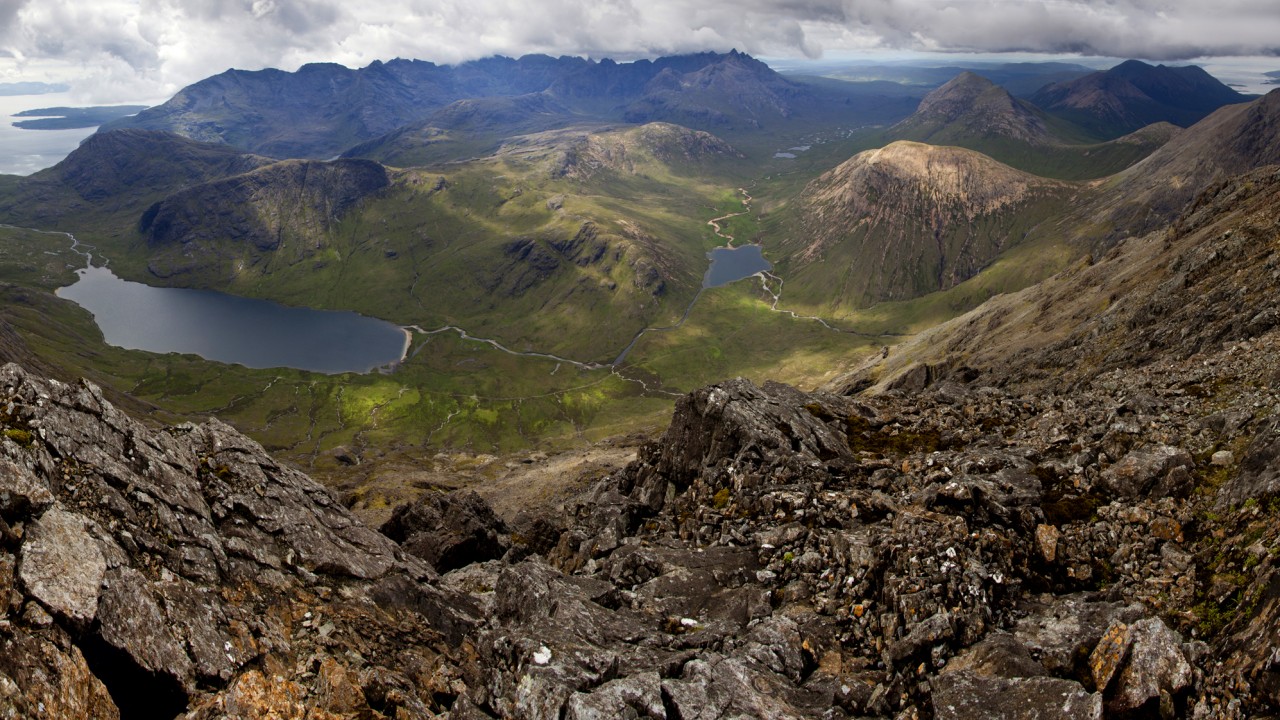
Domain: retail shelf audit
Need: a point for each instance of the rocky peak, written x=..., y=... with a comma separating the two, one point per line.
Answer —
x=959, y=94
x=972, y=106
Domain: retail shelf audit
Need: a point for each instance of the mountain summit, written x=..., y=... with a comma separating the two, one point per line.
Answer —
x=931, y=216
x=972, y=106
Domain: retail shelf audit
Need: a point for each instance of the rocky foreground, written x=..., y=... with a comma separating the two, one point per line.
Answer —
x=955, y=552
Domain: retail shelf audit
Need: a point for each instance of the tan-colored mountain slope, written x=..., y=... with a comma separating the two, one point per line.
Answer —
x=909, y=219
x=1206, y=279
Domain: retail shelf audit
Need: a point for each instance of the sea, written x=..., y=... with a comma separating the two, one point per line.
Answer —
x=23, y=152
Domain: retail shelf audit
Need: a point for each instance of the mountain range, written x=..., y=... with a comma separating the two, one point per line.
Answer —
x=322, y=109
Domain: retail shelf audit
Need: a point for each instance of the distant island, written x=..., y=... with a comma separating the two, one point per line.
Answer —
x=68, y=118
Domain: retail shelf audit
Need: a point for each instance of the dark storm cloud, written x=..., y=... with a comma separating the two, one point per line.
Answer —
x=168, y=43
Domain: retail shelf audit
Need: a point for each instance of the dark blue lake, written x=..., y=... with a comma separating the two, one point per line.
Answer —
x=230, y=329
x=730, y=264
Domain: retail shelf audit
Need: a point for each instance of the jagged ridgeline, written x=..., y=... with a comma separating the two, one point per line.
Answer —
x=324, y=109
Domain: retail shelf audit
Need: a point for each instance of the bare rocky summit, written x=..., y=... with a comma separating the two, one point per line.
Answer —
x=931, y=216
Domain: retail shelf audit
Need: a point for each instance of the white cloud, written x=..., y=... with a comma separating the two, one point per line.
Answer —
x=157, y=46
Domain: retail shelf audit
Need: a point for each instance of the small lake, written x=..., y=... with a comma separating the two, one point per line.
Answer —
x=730, y=264
x=230, y=329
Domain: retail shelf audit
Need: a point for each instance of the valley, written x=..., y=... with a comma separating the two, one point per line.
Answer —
x=554, y=264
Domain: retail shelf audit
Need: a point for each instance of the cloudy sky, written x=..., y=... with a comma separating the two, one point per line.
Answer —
x=116, y=50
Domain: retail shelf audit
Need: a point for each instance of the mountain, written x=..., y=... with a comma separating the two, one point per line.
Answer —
x=324, y=109
x=655, y=147
x=121, y=172
x=1062, y=504
x=1233, y=140
x=1078, y=529
x=909, y=219
x=1133, y=94
x=1198, y=284
x=1021, y=79
x=1160, y=238
x=280, y=208
x=468, y=129
x=736, y=89
x=972, y=112
x=971, y=106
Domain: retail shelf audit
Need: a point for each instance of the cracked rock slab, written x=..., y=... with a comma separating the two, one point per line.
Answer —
x=62, y=566
x=965, y=696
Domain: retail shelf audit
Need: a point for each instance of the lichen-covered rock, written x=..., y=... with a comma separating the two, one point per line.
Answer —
x=997, y=655
x=1061, y=632
x=1139, y=470
x=966, y=696
x=43, y=677
x=637, y=696
x=21, y=493
x=1155, y=669
x=1259, y=476
x=62, y=567
x=175, y=563
x=1109, y=654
